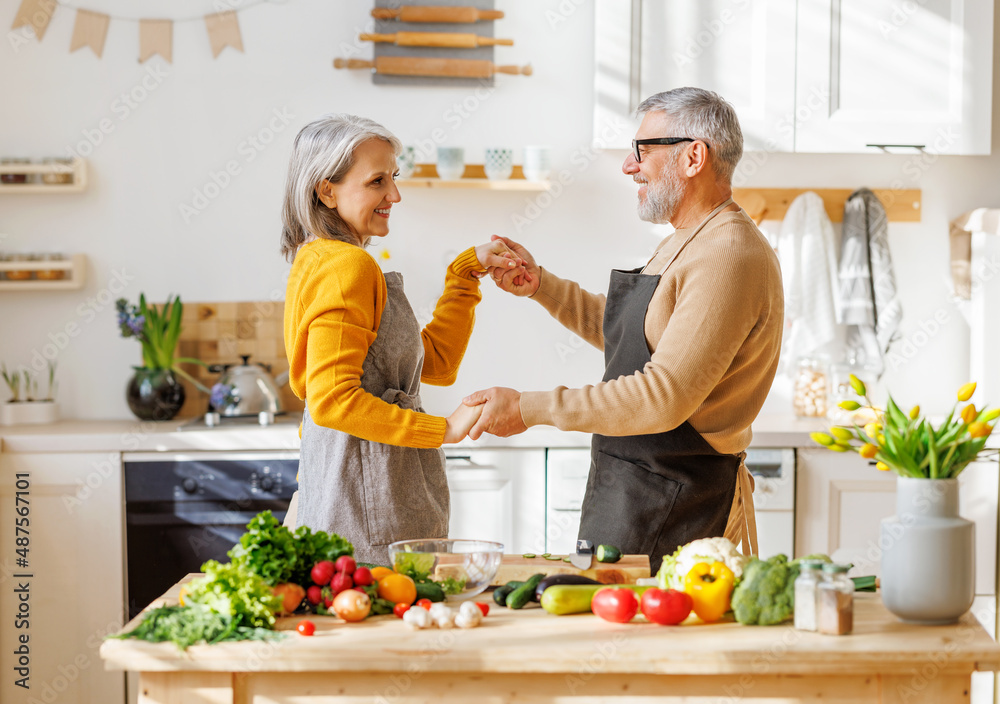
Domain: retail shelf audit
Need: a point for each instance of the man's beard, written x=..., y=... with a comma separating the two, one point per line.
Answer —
x=663, y=196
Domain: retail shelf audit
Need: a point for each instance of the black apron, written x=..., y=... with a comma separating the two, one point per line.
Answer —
x=649, y=494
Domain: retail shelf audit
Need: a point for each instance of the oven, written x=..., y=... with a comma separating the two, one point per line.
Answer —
x=182, y=509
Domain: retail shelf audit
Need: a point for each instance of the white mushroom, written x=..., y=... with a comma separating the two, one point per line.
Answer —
x=469, y=615
x=442, y=615
x=418, y=618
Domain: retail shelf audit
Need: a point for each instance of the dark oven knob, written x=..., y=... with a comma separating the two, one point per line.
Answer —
x=267, y=484
x=189, y=485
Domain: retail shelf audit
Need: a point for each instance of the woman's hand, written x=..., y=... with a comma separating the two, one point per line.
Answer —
x=495, y=255
x=522, y=280
x=460, y=423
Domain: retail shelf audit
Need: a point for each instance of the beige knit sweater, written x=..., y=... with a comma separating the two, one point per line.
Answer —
x=713, y=329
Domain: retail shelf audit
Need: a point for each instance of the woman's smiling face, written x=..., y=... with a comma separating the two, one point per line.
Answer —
x=368, y=190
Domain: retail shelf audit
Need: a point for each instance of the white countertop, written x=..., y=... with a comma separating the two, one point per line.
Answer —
x=139, y=436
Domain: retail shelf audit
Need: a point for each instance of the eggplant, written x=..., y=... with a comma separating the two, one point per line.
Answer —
x=554, y=579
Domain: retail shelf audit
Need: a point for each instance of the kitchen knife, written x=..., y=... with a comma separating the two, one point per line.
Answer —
x=453, y=68
x=584, y=555
x=431, y=13
x=436, y=39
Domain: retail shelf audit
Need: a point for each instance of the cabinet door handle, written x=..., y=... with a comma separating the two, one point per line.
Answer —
x=567, y=510
x=458, y=458
x=883, y=147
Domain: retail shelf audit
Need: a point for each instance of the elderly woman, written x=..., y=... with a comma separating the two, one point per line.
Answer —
x=371, y=466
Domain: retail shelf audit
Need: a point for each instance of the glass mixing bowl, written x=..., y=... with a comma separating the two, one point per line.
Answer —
x=473, y=563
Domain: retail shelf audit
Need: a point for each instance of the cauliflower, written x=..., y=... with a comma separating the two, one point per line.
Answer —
x=675, y=567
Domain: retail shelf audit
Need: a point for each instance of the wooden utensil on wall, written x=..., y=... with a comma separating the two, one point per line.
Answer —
x=454, y=68
x=435, y=13
x=436, y=39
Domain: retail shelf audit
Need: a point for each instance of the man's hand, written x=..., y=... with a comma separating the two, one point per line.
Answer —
x=522, y=281
x=501, y=414
x=460, y=422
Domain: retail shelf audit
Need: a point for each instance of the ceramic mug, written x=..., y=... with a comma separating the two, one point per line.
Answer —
x=499, y=163
x=537, y=163
x=450, y=163
x=406, y=162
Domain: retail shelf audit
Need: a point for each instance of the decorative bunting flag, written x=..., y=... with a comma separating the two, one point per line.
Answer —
x=223, y=31
x=156, y=37
x=35, y=14
x=91, y=29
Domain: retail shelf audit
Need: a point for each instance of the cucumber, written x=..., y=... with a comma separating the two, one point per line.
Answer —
x=522, y=595
x=575, y=598
x=556, y=579
x=608, y=553
x=500, y=593
x=430, y=590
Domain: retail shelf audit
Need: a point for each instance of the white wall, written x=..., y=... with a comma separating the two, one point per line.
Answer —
x=199, y=114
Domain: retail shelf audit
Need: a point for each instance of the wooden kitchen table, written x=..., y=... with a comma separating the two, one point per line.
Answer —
x=531, y=656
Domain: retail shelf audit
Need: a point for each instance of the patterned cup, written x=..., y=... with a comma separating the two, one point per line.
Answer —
x=406, y=162
x=537, y=163
x=450, y=162
x=499, y=163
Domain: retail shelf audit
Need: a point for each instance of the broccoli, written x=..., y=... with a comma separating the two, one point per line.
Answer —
x=766, y=596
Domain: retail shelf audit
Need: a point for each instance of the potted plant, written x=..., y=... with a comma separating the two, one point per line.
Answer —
x=928, y=550
x=26, y=404
x=153, y=392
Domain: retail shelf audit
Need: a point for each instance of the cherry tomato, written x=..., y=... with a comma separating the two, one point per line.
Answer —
x=306, y=627
x=425, y=603
x=340, y=582
x=400, y=609
x=363, y=577
x=615, y=605
x=666, y=607
x=322, y=572
x=352, y=605
x=484, y=607
x=314, y=594
x=345, y=564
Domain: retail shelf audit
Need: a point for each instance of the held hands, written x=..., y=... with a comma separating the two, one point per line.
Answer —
x=500, y=410
x=521, y=278
x=460, y=422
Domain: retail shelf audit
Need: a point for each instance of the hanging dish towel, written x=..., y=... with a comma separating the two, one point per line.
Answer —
x=866, y=291
x=806, y=251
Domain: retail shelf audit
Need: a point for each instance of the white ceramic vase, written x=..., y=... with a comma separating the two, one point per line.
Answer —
x=928, y=553
x=27, y=412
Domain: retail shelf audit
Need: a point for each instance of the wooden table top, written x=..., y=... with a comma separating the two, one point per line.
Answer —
x=533, y=641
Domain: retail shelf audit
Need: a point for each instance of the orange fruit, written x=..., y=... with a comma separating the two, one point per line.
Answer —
x=380, y=573
x=397, y=588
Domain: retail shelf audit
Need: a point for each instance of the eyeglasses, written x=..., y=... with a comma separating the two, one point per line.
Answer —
x=661, y=140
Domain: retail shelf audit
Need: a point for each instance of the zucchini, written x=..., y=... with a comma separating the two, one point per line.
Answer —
x=608, y=553
x=430, y=590
x=555, y=579
x=522, y=595
x=575, y=598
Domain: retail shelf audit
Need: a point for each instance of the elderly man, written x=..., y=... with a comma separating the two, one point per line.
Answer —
x=690, y=343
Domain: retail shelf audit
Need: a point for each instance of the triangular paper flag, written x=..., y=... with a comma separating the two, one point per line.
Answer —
x=91, y=29
x=156, y=37
x=36, y=14
x=223, y=31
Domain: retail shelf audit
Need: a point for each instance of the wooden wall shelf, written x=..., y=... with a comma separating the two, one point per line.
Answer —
x=426, y=176
x=75, y=268
x=78, y=167
x=772, y=203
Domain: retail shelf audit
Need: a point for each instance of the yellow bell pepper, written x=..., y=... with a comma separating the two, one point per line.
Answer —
x=709, y=587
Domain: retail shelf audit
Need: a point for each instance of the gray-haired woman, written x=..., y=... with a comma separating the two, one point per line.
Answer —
x=371, y=467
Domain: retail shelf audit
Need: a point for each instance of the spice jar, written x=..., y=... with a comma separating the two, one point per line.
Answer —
x=51, y=274
x=19, y=274
x=61, y=172
x=835, y=601
x=805, y=594
x=810, y=396
x=13, y=176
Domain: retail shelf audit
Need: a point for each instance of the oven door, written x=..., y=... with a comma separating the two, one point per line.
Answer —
x=184, y=509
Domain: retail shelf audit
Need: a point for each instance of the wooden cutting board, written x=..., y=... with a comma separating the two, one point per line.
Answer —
x=625, y=571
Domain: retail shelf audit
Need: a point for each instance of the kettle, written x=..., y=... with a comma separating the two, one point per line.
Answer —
x=253, y=390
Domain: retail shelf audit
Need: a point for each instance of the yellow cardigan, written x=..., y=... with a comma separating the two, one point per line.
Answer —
x=333, y=304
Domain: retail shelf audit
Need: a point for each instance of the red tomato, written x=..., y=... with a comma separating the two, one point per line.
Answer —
x=306, y=628
x=425, y=603
x=615, y=605
x=314, y=594
x=363, y=577
x=345, y=564
x=484, y=607
x=667, y=607
x=322, y=572
x=400, y=609
x=340, y=582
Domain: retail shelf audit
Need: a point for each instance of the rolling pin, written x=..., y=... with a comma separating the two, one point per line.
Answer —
x=435, y=13
x=439, y=39
x=452, y=68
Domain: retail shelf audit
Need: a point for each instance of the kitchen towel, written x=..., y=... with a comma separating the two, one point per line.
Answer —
x=807, y=253
x=867, y=300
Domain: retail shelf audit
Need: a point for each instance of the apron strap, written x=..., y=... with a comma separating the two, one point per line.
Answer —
x=698, y=229
x=742, y=524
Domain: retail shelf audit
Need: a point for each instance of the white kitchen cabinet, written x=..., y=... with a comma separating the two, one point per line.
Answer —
x=498, y=494
x=76, y=588
x=882, y=72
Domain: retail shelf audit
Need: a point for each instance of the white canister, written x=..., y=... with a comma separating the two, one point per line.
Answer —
x=537, y=163
x=450, y=163
x=406, y=162
x=28, y=412
x=498, y=163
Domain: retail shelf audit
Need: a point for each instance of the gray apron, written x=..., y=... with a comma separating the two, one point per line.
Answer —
x=649, y=494
x=370, y=493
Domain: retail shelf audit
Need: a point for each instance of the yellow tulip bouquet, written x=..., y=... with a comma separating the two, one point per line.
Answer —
x=908, y=444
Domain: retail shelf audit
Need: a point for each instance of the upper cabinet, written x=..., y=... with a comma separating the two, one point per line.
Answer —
x=806, y=75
